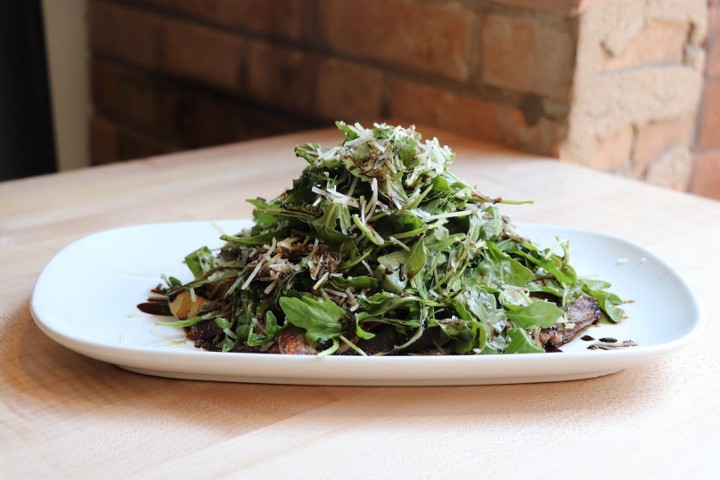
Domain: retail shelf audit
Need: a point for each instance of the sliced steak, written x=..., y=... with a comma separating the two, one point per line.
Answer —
x=292, y=342
x=204, y=334
x=384, y=341
x=582, y=313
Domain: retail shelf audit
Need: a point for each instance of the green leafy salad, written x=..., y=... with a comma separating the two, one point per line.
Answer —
x=378, y=249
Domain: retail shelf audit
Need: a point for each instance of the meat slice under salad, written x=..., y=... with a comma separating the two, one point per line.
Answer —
x=582, y=313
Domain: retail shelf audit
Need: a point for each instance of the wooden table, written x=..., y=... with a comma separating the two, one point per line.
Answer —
x=64, y=415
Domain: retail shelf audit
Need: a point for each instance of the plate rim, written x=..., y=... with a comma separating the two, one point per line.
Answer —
x=103, y=351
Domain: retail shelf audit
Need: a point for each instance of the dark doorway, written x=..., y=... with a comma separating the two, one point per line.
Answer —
x=27, y=146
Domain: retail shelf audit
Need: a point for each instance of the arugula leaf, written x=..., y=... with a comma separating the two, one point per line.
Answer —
x=416, y=258
x=477, y=304
x=333, y=224
x=321, y=319
x=262, y=218
x=500, y=268
x=309, y=151
x=362, y=281
x=200, y=261
x=520, y=342
x=361, y=318
x=538, y=314
x=349, y=133
x=407, y=152
x=254, y=241
x=369, y=234
x=608, y=301
x=552, y=265
x=260, y=335
x=465, y=335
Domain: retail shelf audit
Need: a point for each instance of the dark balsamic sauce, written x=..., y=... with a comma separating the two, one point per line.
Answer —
x=587, y=338
x=155, y=308
x=609, y=343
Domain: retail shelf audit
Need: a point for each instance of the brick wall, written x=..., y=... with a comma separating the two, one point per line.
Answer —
x=637, y=87
x=611, y=84
x=163, y=81
x=706, y=178
x=178, y=74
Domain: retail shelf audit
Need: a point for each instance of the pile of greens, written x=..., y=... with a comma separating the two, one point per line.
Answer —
x=377, y=237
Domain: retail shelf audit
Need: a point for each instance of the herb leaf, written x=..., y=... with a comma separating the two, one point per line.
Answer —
x=520, y=342
x=538, y=314
x=200, y=261
x=319, y=318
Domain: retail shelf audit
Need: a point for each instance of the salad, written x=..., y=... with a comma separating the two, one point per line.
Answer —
x=378, y=249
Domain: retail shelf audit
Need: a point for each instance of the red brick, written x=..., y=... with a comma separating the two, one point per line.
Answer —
x=713, y=41
x=127, y=33
x=103, y=141
x=473, y=117
x=709, y=117
x=658, y=42
x=525, y=55
x=206, y=120
x=424, y=36
x=194, y=118
x=562, y=7
x=203, y=55
x=133, y=144
x=124, y=93
x=672, y=169
x=281, y=18
x=655, y=138
x=706, y=178
x=281, y=77
x=613, y=153
x=349, y=92
x=137, y=99
x=160, y=3
x=177, y=115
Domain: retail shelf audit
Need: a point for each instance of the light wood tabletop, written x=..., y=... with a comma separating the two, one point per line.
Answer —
x=63, y=415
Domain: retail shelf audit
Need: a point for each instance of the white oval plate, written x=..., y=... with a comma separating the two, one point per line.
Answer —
x=86, y=297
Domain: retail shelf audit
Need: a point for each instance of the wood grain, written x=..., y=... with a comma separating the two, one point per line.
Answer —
x=64, y=415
